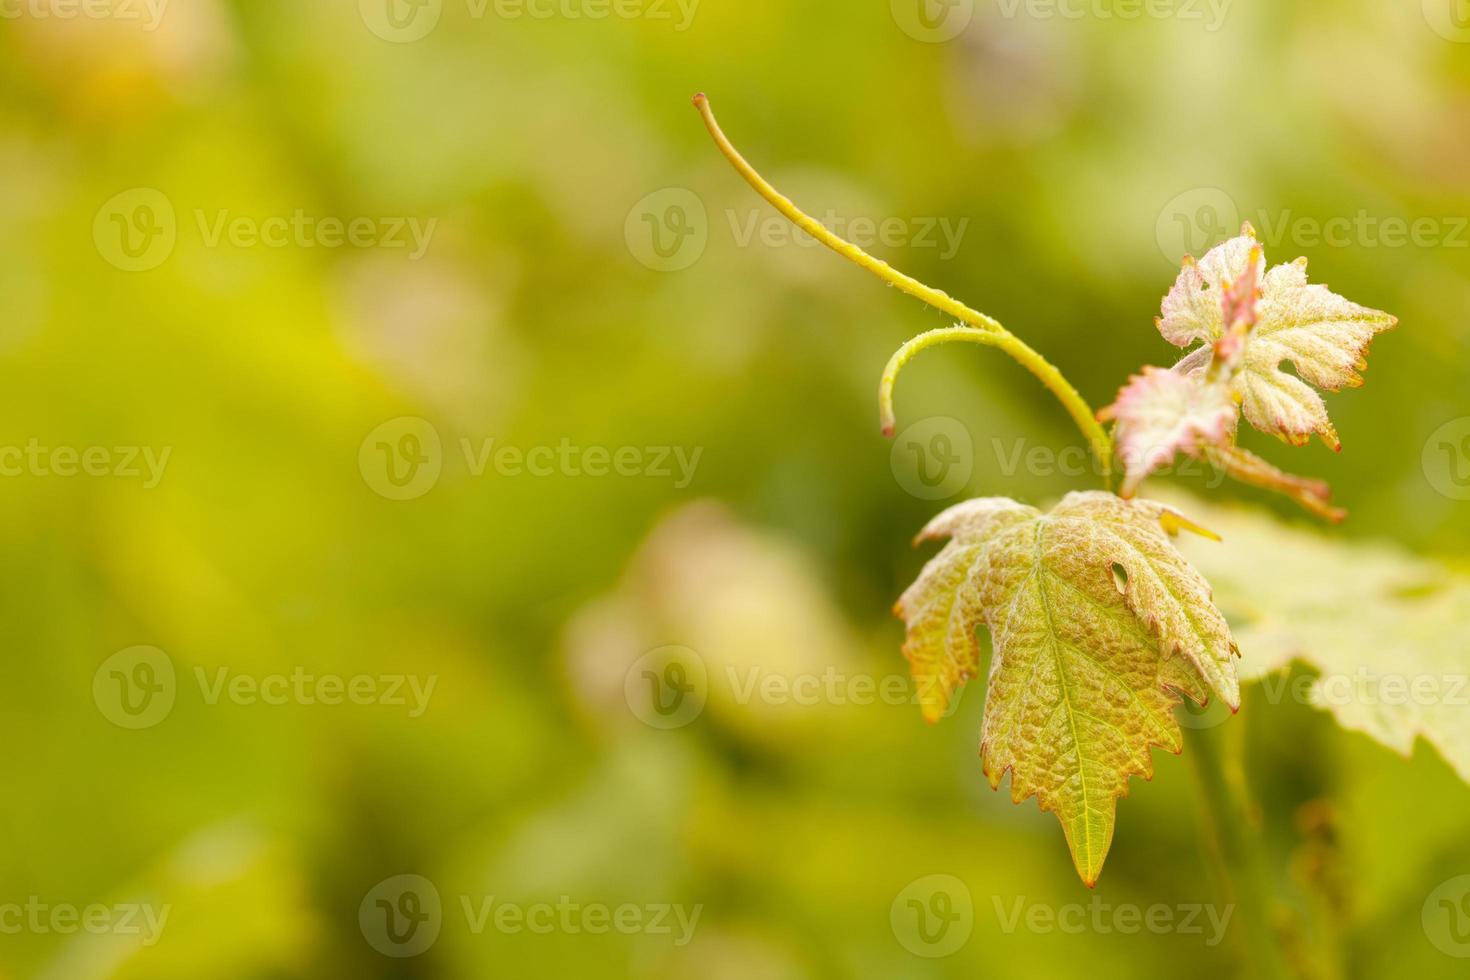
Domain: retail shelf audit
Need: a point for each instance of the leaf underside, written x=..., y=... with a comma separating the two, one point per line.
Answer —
x=1098, y=627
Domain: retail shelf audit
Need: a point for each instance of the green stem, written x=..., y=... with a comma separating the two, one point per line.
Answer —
x=1233, y=835
x=1043, y=369
x=908, y=351
x=981, y=328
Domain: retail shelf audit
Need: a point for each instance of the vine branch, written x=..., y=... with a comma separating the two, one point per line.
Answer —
x=980, y=329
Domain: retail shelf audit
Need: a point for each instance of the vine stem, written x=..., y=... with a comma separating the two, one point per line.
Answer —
x=1237, y=856
x=1012, y=345
x=979, y=328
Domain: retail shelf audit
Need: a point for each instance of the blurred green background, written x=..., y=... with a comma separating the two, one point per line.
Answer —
x=207, y=225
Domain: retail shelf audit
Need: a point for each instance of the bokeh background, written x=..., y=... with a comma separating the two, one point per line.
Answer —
x=593, y=280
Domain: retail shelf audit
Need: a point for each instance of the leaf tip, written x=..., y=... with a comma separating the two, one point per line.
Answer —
x=992, y=776
x=1173, y=522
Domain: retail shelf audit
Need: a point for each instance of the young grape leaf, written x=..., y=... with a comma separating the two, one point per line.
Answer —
x=1323, y=336
x=1194, y=308
x=1159, y=413
x=1098, y=626
x=1384, y=630
x=1163, y=413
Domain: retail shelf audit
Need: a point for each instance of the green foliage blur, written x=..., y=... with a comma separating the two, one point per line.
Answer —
x=656, y=428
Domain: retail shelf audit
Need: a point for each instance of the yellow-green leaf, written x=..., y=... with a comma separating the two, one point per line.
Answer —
x=1098, y=625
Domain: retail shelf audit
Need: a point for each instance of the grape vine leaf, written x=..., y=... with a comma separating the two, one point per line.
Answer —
x=1384, y=630
x=1163, y=413
x=1324, y=336
x=1098, y=626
